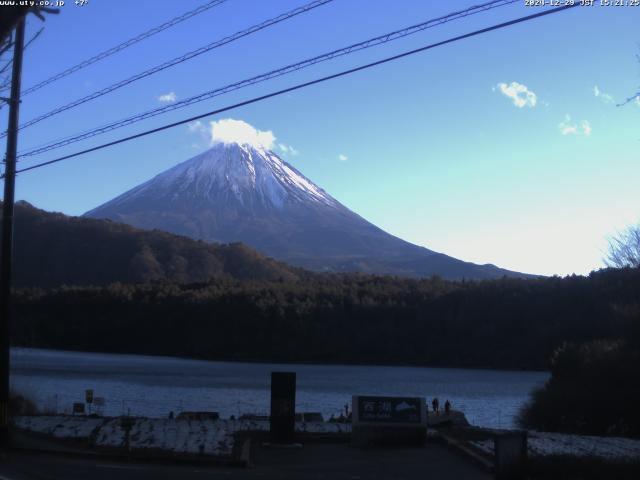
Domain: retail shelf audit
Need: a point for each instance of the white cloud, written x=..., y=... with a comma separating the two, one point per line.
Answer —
x=199, y=128
x=342, y=157
x=196, y=126
x=167, y=97
x=638, y=100
x=605, y=97
x=566, y=127
x=520, y=95
x=287, y=149
x=229, y=130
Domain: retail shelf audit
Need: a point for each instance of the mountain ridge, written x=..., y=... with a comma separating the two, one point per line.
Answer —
x=239, y=192
x=53, y=249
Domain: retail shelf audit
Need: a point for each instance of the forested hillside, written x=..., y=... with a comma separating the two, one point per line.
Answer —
x=508, y=323
x=52, y=249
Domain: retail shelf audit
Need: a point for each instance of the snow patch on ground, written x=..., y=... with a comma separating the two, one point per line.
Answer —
x=542, y=444
x=110, y=435
x=60, y=426
x=185, y=436
x=207, y=437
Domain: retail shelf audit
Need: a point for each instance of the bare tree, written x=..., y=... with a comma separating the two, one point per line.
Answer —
x=624, y=248
x=9, y=16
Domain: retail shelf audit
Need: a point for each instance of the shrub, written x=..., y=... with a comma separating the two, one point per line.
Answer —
x=594, y=389
x=19, y=404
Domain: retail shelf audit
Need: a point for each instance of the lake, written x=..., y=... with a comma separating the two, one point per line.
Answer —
x=154, y=386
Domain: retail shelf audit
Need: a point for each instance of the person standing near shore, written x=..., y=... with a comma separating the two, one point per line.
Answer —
x=435, y=404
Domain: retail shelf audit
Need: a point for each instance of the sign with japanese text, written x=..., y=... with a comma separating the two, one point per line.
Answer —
x=389, y=410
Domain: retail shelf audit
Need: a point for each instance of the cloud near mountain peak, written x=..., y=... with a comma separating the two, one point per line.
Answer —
x=228, y=130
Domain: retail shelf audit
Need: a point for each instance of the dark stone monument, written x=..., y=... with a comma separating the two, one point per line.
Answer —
x=511, y=455
x=283, y=407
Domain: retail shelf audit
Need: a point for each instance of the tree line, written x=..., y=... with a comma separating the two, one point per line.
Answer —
x=350, y=318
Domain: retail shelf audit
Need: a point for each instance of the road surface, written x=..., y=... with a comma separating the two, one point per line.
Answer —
x=313, y=461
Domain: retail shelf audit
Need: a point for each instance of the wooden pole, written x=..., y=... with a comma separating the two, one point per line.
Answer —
x=6, y=250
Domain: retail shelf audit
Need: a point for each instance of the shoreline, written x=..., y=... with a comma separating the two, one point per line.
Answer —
x=275, y=362
x=224, y=439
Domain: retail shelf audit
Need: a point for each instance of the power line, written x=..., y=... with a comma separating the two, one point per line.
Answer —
x=388, y=37
x=123, y=45
x=26, y=45
x=177, y=60
x=32, y=39
x=303, y=85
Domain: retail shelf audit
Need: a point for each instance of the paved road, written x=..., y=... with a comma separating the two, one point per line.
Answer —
x=313, y=461
x=20, y=466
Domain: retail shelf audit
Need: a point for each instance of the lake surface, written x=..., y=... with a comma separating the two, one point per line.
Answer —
x=154, y=386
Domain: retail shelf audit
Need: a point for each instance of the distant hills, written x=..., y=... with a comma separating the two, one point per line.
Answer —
x=240, y=192
x=52, y=249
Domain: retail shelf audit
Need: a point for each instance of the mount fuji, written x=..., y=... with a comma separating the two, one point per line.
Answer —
x=242, y=192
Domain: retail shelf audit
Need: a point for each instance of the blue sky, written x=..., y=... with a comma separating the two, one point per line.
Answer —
x=507, y=148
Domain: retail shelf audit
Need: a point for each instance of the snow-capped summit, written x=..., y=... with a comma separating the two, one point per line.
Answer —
x=241, y=191
x=252, y=176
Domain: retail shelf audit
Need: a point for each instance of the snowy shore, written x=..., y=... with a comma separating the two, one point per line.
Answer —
x=214, y=438
x=545, y=444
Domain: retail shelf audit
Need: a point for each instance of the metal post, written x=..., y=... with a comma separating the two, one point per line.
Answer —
x=6, y=251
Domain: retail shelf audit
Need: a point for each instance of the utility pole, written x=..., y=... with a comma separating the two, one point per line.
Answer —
x=6, y=252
